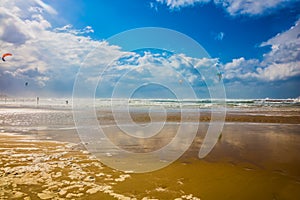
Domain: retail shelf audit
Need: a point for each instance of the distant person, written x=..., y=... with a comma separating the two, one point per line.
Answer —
x=37, y=100
x=67, y=102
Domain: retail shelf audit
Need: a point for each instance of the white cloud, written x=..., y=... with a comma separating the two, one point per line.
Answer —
x=279, y=71
x=241, y=64
x=251, y=7
x=11, y=28
x=153, y=6
x=175, y=4
x=240, y=68
x=69, y=29
x=46, y=7
x=233, y=7
x=42, y=55
x=21, y=22
x=205, y=62
x=166, y=69
x=254, y=70
x=285, y=46
x=49, y=58
x=175, y=72
x=219, y=36
x=280, y=63
x=283, y=61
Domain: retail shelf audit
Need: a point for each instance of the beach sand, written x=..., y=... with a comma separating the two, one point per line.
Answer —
x=256, y=158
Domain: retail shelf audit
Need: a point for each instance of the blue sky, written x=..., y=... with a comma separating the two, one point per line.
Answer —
x=254, y=44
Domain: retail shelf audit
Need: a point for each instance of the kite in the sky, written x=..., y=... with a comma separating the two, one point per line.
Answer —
x=6, y=54
x=26, y=84
x=219, y=75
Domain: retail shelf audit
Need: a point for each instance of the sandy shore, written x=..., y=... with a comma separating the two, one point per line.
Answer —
x=33, y=169
x=271, y=115
x=251, y=161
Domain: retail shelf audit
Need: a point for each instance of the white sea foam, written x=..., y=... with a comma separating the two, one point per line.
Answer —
x=22, y=105
x=23, y=115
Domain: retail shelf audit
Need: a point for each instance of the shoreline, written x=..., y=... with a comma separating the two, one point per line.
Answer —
x=256, y=158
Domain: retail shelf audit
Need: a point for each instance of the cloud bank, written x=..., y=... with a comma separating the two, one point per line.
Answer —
x=279, y=64
x=233, y=7
x=48, y=57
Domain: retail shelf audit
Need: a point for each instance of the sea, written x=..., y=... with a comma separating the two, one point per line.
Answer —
x=26, y=114
x=67, y=103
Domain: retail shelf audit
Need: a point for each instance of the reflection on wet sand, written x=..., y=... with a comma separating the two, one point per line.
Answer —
x=256, y=158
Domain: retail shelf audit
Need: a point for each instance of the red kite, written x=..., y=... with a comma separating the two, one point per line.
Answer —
x=6, y=54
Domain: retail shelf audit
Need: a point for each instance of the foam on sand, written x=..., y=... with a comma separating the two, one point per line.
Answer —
x=53, y=170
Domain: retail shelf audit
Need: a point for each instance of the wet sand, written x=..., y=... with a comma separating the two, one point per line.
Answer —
x=34, y=169
x=256, y=158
